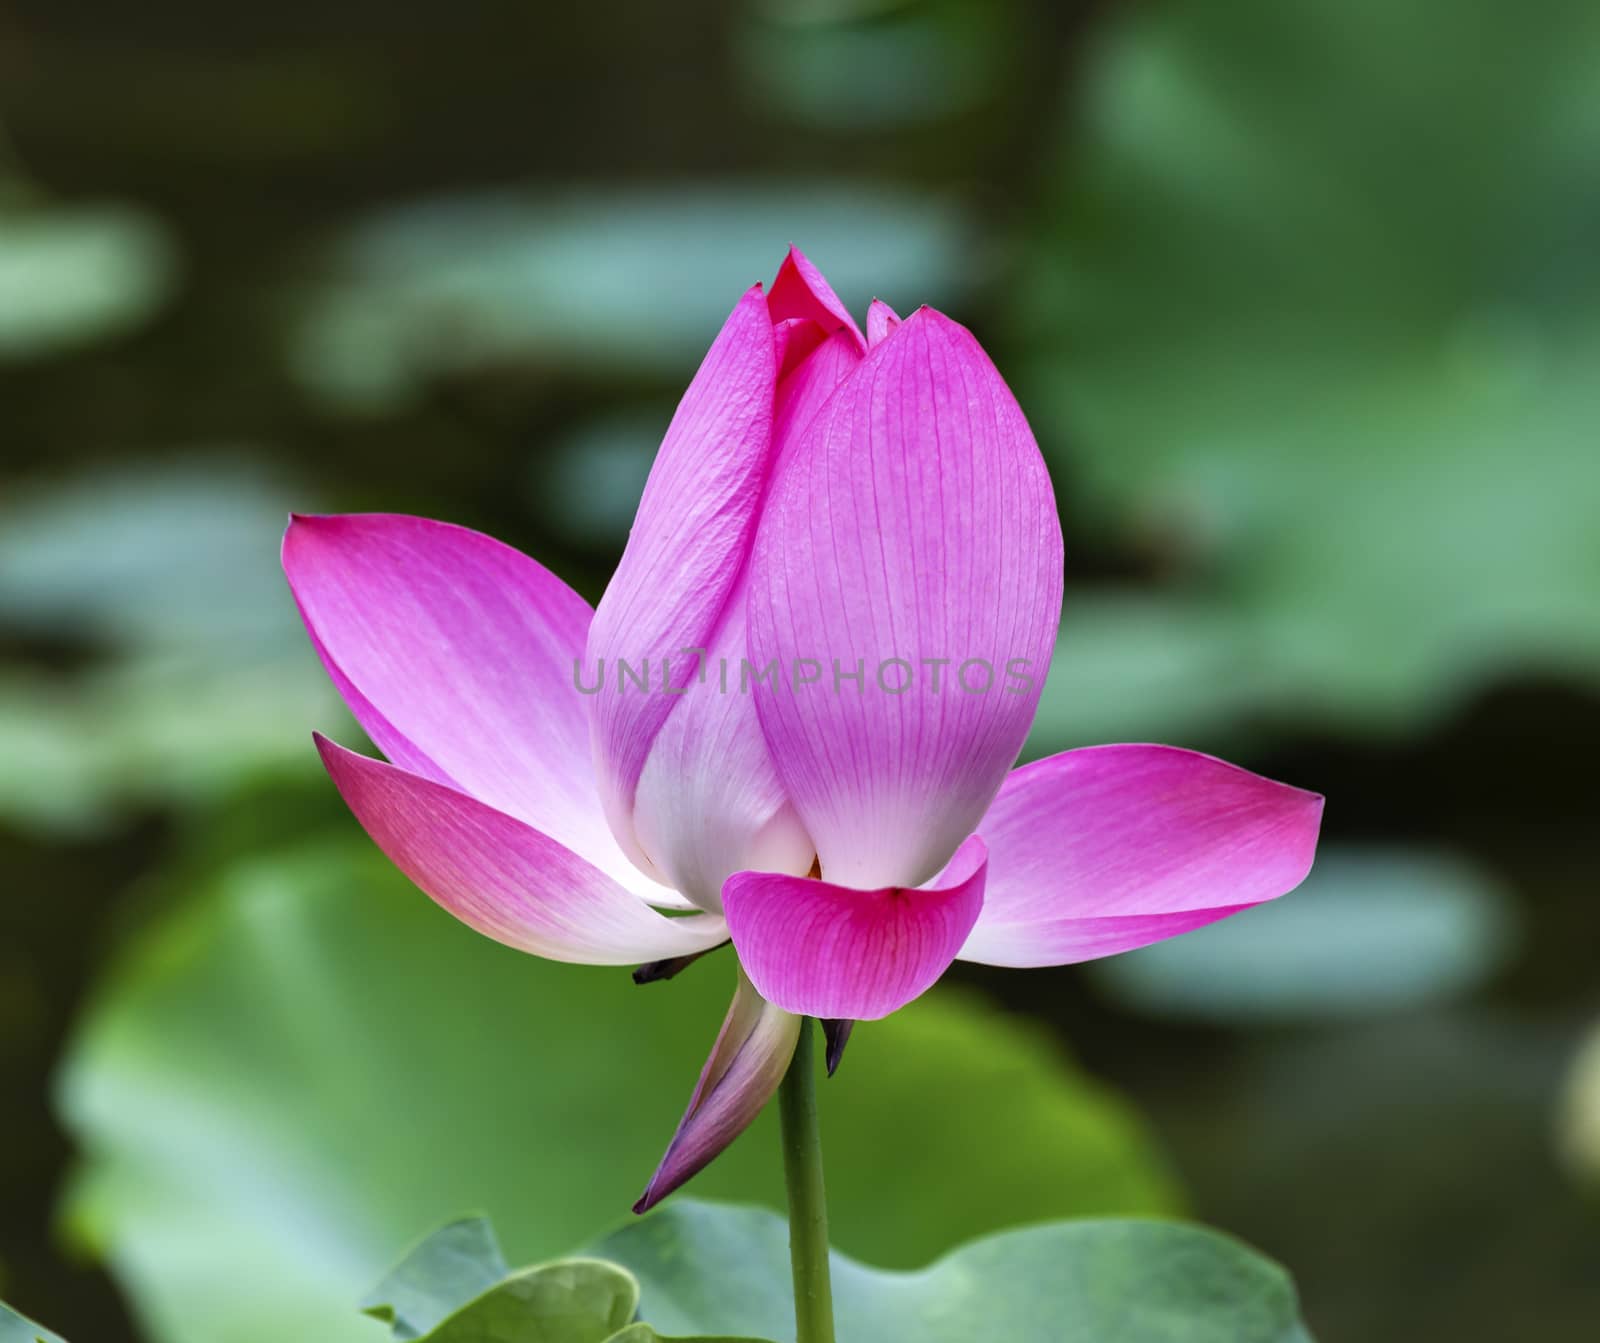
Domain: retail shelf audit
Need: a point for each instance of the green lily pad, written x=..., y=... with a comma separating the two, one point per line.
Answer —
x=287, y=1077
x=162, y=555
x=201, y=676
x=1311, y=320
x=851, y=64
x=15, y=1329
x=708, y=1267
x=636, y=281
x=712, y=1269
x=455, y=1288
x=573, y=1301
x=452, y=1266
x=71, y=275
x=1371, y=932
x=84, y=751
x=1147, y=667
x=1580, y=1127
x=644, y=1333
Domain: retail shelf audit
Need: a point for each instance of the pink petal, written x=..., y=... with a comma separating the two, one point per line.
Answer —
x=793, y=339
x=914, y=521
x=1108, y=848
x=456, y=653
x=881, y=320
x=833, y=951
x=687, y=549
x=807, y=389
x=504, y=878
x=709, y=802
x=747, y=1063
x=800, y=291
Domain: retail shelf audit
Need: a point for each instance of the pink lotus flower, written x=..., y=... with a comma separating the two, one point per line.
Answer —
x=795, y=711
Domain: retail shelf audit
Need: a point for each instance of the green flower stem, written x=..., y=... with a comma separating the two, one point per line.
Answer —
x=808, y=1203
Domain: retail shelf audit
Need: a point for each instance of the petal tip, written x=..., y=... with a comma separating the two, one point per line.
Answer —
x=301, y=523
x=837, y=1034
x=1165, y=840
x=800, y=290
x=1310, y=809
x=296, y=526
x=747, y=1063
x=926, y=316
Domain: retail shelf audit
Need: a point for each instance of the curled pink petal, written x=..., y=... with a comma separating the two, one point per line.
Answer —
x=747, y=1063
x=832, y=951
x=685, y=554
x=881, y=320
x=1108, y=848
x=502, y=877
x=905, y=591
x=806, y=390
x=456, y=654
x=793, y=339
x=800, y=291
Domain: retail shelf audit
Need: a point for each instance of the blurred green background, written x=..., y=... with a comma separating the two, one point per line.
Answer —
x=1302, y=298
